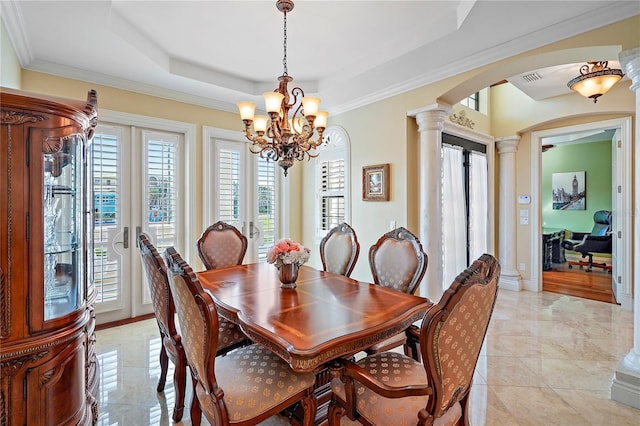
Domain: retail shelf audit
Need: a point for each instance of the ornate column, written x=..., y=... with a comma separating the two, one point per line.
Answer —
x=430, y=124
x=625, y=387
x=507, y=212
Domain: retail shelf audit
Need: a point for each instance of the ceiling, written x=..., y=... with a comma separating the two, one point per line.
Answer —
x=350, y=53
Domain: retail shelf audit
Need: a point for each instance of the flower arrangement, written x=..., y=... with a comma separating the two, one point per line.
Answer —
x=287, y=251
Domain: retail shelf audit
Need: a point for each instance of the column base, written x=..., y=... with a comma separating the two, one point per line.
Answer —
x=511, y=282
x=625, y=387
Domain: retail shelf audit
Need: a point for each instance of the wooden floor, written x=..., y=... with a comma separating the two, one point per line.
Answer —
x=594, y=285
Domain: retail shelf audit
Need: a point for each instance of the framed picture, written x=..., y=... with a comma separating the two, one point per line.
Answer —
x=375, y=182
x=569, y=191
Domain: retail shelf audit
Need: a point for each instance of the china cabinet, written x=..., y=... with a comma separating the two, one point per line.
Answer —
x=47, y=324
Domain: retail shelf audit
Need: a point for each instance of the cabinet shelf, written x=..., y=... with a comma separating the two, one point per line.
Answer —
x=60, y=190
x=67, y=248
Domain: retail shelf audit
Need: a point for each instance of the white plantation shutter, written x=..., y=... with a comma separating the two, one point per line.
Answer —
x=267, y=205
x=229, y=187
x=331, y=190
x=333, y=197
x=106, y=205
x=161, y=188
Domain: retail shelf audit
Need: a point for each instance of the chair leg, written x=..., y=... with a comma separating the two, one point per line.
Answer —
x=590, y=265
x=335, y=413
x=164, y=366
x=196, y=410
x=310, y=408
x=179, y=383
x=412, y=349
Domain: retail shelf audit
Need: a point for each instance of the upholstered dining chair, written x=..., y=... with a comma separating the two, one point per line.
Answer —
x=392, y=388
x=155, y=274
x=339, y=250
x=397, y=261
x=248, y=385
x=221, y=245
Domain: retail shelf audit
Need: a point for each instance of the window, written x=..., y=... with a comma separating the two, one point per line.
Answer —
x=332, y=177
x=473, y=101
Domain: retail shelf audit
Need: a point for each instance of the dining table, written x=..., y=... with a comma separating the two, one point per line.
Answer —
x=325, y=317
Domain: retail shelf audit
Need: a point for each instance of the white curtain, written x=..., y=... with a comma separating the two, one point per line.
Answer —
x=478, y=205
x=454, y=230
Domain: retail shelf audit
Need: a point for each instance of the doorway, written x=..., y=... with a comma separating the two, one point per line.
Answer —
x=621, y=201
x=138, y=174
x=570, y=201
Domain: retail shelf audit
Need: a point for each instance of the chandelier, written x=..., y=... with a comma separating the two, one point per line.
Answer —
x=279, y=137
x=595, y=82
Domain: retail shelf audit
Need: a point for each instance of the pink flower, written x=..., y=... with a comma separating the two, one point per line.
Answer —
x=287, y=251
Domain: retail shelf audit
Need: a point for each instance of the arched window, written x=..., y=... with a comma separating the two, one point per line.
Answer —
x=333, y=195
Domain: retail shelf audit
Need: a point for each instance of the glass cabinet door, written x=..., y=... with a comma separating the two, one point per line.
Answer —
x=62, y=226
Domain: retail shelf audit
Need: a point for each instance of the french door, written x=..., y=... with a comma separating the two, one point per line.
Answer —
x=136, y=182
x=464, y=204
x=242, y=189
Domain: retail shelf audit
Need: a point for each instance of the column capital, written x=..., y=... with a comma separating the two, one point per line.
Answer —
x=508, y=144
x=630, y=61
x=431, y=117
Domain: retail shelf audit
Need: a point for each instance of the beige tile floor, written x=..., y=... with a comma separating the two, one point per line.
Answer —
x=548, y=360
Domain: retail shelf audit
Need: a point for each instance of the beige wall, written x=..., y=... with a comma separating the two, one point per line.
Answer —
x=9, y=65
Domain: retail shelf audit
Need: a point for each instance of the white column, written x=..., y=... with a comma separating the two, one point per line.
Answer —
x=507, y=211
x=625, y=387
x=430, y=122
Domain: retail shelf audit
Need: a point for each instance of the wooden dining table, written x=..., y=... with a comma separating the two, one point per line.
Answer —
x=327, y=316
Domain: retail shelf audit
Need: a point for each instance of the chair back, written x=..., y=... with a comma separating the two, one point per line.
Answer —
x=221, y=245
x=397, y=261
x=452, y=333
x=155, y=273
x=601, y=223
x=339, y=250
x=199, y=326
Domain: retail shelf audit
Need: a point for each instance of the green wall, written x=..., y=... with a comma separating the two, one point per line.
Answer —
x=595, y=159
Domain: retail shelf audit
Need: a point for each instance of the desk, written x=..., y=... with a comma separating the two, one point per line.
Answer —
x=327, y=316
x=552, y=250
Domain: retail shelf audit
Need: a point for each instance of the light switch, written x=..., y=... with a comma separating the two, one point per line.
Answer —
x=524, y=220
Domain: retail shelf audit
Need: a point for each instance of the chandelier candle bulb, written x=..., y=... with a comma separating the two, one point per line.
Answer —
x=273, y=101
x=321, y=119
x=247, y=110
x=310, y=105
x=260, y=124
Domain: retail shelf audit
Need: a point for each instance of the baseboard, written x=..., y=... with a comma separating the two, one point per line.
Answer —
x=625, y=387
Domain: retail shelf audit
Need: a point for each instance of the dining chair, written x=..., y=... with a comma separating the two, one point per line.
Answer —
x=397, y=261
x=392, y=388
x=339, y=250
x=219, y=246
x=248, y=385
x=155, y=274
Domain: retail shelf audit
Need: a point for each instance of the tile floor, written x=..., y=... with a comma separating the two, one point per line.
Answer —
x=548, y=360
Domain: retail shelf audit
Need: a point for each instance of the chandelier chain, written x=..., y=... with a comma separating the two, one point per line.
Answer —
x=284, y=58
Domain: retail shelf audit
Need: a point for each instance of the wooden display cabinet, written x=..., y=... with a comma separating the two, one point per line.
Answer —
x=47, y=323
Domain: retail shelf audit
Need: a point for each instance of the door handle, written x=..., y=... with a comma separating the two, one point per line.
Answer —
x=125, y=237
